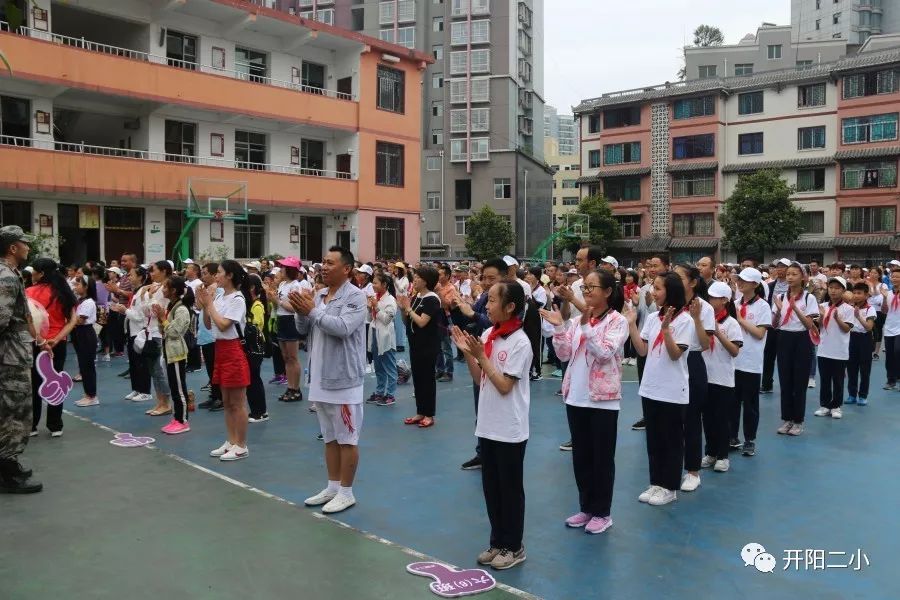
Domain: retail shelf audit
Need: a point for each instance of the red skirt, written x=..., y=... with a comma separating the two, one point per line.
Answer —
x=231, y=369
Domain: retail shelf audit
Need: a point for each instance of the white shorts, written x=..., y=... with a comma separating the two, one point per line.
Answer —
x=340, y=422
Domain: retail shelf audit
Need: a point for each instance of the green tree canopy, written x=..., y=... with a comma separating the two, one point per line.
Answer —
x=604, y=228
x=759, y=214
x=708, y=35
x=488, y=235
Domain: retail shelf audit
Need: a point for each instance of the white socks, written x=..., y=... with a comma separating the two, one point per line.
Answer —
x=346, y=492
x=333, y=487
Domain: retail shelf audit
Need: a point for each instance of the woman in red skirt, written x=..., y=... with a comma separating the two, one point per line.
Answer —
x=226, y=318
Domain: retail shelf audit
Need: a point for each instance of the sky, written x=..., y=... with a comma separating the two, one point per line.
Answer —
x=596, y=46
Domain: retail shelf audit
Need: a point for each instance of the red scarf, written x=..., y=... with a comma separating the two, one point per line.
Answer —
x=594, y=321
x=790, y=308
x=378, y=296
x=720, y=318
x=895, y=301
x=502, y=330
x=662, y=316
x=744, y=306
x=831, y=308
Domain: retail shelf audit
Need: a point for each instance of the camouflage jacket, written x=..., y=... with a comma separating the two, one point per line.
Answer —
x=15, y=339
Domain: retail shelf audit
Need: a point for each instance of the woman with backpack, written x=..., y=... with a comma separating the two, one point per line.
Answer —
x=174, y=322
x=254, y=344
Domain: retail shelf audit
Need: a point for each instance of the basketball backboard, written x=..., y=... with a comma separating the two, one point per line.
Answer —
x=219, y=199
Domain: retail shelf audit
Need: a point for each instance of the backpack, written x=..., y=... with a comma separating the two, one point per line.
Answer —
x=252, y=340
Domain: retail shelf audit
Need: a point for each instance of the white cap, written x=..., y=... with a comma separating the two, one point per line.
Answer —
x=30, y=269
x=783, y=262
x=719, y=289
x=364, y=268
x=116, y=270
x=895, y=263
x=188, y=261
x=751, y=274
x=510, y=261
x=275, y=270
x=610, y=260
x=839, y=280
x=171, y=264
x=572, y=271
x=254, y=264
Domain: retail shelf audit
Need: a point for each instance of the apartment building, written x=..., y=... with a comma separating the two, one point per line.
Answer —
x=116, y=112
x=566, y=171
x=560, y=128
x=668, y=156
x=851, y=20
x=483, y=101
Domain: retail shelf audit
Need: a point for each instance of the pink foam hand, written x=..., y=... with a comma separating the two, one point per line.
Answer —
x=55, y=386
x=453, y=583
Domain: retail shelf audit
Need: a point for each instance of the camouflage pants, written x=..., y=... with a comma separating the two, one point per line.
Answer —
x=15, y=416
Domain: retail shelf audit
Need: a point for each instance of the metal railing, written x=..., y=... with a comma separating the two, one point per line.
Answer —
x=90, y=46
x=207, y=161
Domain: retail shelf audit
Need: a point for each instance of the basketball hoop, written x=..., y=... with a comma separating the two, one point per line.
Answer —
x=219, y=215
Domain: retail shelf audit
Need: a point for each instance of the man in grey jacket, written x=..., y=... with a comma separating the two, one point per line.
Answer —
x=334, y=319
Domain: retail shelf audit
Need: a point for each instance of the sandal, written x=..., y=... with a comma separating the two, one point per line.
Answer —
x=158, y=413
x=426, y=422
x=412, y=420
x=77, y=378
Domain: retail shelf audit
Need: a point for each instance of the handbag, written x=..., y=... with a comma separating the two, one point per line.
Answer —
x=144, y=344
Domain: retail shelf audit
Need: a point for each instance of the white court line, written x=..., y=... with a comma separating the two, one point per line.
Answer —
x=406, y=550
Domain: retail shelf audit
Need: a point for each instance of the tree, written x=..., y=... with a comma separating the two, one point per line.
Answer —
x=488, y=235
x=604, y=228
x=708, y=35
x=759, y=214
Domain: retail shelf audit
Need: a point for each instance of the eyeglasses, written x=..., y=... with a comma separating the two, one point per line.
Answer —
x=590, y=288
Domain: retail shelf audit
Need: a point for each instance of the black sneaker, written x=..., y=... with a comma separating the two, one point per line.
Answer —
x=401, y=348
x=445, y=378
x=735, y=444
x=471, y=465
x=19, y=485
x=320, y=438
x=206, y=387
x=216, y=406
x=293, y=396
x=765, y=391
x=374, y=399
x=206, y=404
x=536, y=378
x=125, y=374
x=567, y=447
x=640, y=425
x=876, y=357
x=749, y=448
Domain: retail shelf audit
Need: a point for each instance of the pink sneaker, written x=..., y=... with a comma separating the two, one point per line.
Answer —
x=598, y=525
x=578, y=520
x=174, y=427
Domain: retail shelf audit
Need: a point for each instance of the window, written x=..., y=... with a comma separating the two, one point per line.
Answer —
x=481, y=32
x=480, y=149
x=480, y=91
x=458, y=121
x=630, y=225
x=480, y=119
x=810, y=138
x=437, y=137
x=750, y=103
x=594, y=123
x=250, y=65
x=458, y=150
x=694, y=184
x=463, y=196
x=389, y=238
x=180, y=141
x=876, y=128
x=750, y=143
x=804, y=64
x=617, y=154
x=622, y=117
x=568, y=184
x=406, y=11
x=437, y=52
x=622, y=188
x=433, y=201
x=406, y=37
x=570, y=201
x=250, y=150
x=525, y=43
x=870, y=84
x=810, y=180
x=432, y=238
x=743, y=69
x=836, y=18
x=181, y=50
x=774, y=51
x=876, y=219
x=524, y=70
x=813, y=221
x=388, y=164
x=706, y=71
x=692, y=224
x=15, y=121
x=695, y=107
x=502, y=189
x=693, y=146
x=312, y=157
x=437, y=109
x=479, y=62
x=13, y=212
x=250, y=237
x=818, y=24
x=433, y=163
x=855, y=176
x=437, y=24
x=391, y=89
x=818, y=4
x=437, y=81
x=594, y=159
x=325, y=15
x=811, y=95
x=313, y=75
x=461, y=225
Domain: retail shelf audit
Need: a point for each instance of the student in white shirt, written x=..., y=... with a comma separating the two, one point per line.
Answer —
x=499, y=361
x=288, y=337
x=754, y=315
x=836, y=321
x=85, y=338
x=890, y=306
x=664, y=340
x=796, y=319
x=646, y=305
x=724, y=345
x=859, y=361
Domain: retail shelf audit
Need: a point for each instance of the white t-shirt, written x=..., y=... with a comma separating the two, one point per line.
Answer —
x=230, y=306
x=540, y=296
x=465, y=288
x=808, y=306
x=834, y=342
x=87, y=308
x=505, y=418
x=369, y=291
x=892, y=321
x=285, y=288
x=876, y=300
x=707, y=319
x=750, y=358
x=194, y=284
x=866, y=313
x=402, y=285
x=664, y=379
x=719, y=363
x=580, y=372
x=579, y=293
x=525, y=287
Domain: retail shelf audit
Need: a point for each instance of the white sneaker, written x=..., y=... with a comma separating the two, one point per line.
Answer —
x=707, y=462
x=105, y=358
x=632, y=361
x=812, y=383
x=837, y=413
x=722, y=465
x=142, y=398
x=56, y=433
x=131, y=396
x=235, y=453
x=339, y=503
x=33, y=433
x=323, y=497
x=221, y=450
x=662, y=496
x=690, y=483
x=369, y=369
x=646, y=494
x=87, y=401
x=822, y=412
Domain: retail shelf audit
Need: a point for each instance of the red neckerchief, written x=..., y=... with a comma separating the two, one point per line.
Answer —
x=895, y=301
x=594, y=321
x=378, y=296
x=659, y=336
x=831, y=308
x=790, y=309
x=744, y=306
x=720, y=318
x=503, y=329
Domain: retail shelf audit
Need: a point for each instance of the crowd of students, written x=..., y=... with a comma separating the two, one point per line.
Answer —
x=706, y=341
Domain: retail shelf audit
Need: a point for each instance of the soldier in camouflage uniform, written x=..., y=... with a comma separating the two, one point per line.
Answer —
x=16, y=335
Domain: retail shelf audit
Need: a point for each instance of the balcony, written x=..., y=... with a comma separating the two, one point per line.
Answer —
x=64, y=167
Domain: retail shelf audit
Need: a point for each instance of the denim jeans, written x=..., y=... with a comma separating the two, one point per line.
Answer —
x=385, y=370
x=399, y=330
x=445, y=357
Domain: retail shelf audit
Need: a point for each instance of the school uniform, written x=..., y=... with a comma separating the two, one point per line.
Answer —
x=748, y=368
x=834, y=350
x=84, y=338
x=892, y=337
x=503, y=431
x=859, y=361
x=794, y=355
x=664, y=398
x=698, y=387
x=720, y=400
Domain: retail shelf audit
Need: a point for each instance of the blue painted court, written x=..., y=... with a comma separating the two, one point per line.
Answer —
x=833, y=490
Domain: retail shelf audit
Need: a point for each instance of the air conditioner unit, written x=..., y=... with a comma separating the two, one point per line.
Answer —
x=132, y=124
x=292, y=10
